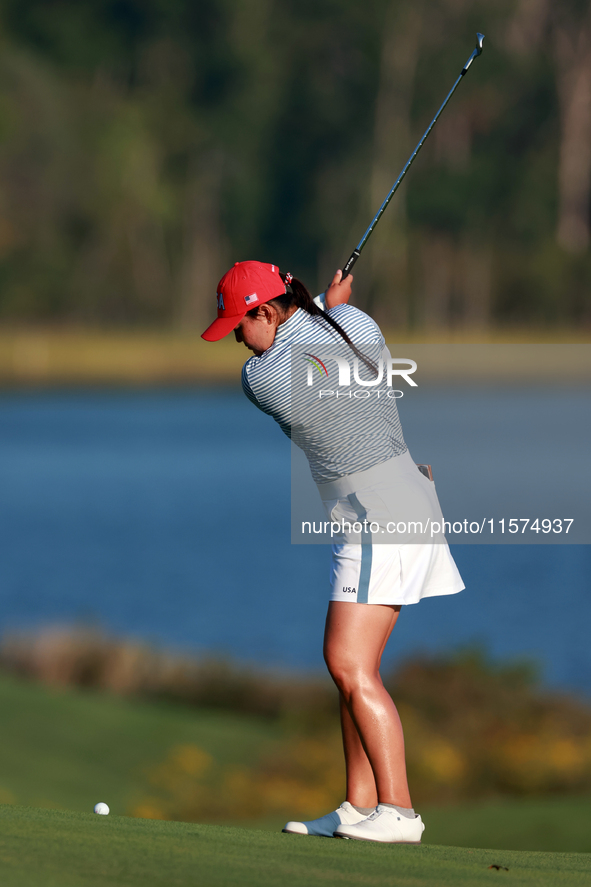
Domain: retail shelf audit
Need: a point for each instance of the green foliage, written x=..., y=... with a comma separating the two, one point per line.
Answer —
x=473, y=729
x=145, y=145
x=69, y=748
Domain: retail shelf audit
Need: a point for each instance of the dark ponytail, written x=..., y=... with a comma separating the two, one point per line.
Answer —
x=301, y=298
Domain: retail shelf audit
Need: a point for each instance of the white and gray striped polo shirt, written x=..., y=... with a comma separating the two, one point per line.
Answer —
x=339, y=433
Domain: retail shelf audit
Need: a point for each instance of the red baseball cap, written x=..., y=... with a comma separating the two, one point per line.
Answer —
x=243, y=287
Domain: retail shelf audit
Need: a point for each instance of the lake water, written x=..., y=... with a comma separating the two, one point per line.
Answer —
x=165, y=516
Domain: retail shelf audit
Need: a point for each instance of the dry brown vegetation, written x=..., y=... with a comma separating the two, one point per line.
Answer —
x=84, y=657
x=83, y=357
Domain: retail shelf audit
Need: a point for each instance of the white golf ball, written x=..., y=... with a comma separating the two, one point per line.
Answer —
x=101, y=808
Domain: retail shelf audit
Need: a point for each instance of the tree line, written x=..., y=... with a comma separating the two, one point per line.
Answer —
x=145, y=145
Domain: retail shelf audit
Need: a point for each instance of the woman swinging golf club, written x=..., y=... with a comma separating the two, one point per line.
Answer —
x=359, y=472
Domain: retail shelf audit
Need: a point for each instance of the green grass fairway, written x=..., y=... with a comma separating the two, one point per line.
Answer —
x=65, y=748
x=68, y=749
x=49, y=848
x=560, y=824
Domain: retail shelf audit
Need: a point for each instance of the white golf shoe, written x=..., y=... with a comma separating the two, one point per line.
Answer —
x=385, y=825
x=325, y=827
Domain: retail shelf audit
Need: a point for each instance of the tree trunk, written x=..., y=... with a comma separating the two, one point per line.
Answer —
x=388, y=247
x=437, y=254
x=203, y=253
x=573, y=55
x=476, y=286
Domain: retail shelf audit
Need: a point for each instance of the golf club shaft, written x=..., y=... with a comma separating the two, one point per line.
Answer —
x=357, y=251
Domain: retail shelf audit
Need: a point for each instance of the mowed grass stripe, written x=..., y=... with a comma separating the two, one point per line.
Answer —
x=48, y=848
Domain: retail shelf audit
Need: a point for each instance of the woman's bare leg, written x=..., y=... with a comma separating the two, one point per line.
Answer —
x=355, y=638
x=361, y=784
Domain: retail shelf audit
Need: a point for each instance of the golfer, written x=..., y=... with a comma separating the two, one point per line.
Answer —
x=362, y=470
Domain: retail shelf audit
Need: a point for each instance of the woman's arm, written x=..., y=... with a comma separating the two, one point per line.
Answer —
x=339, y=290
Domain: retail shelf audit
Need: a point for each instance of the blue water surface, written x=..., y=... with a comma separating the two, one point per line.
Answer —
x=165, y=516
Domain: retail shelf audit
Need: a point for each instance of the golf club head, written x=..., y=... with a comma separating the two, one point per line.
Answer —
x=479, y=40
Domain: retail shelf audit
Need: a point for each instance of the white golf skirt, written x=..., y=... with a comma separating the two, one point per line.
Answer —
x=371, y=572
x=392, y=574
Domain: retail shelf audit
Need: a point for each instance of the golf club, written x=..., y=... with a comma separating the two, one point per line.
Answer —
x=357, y=251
